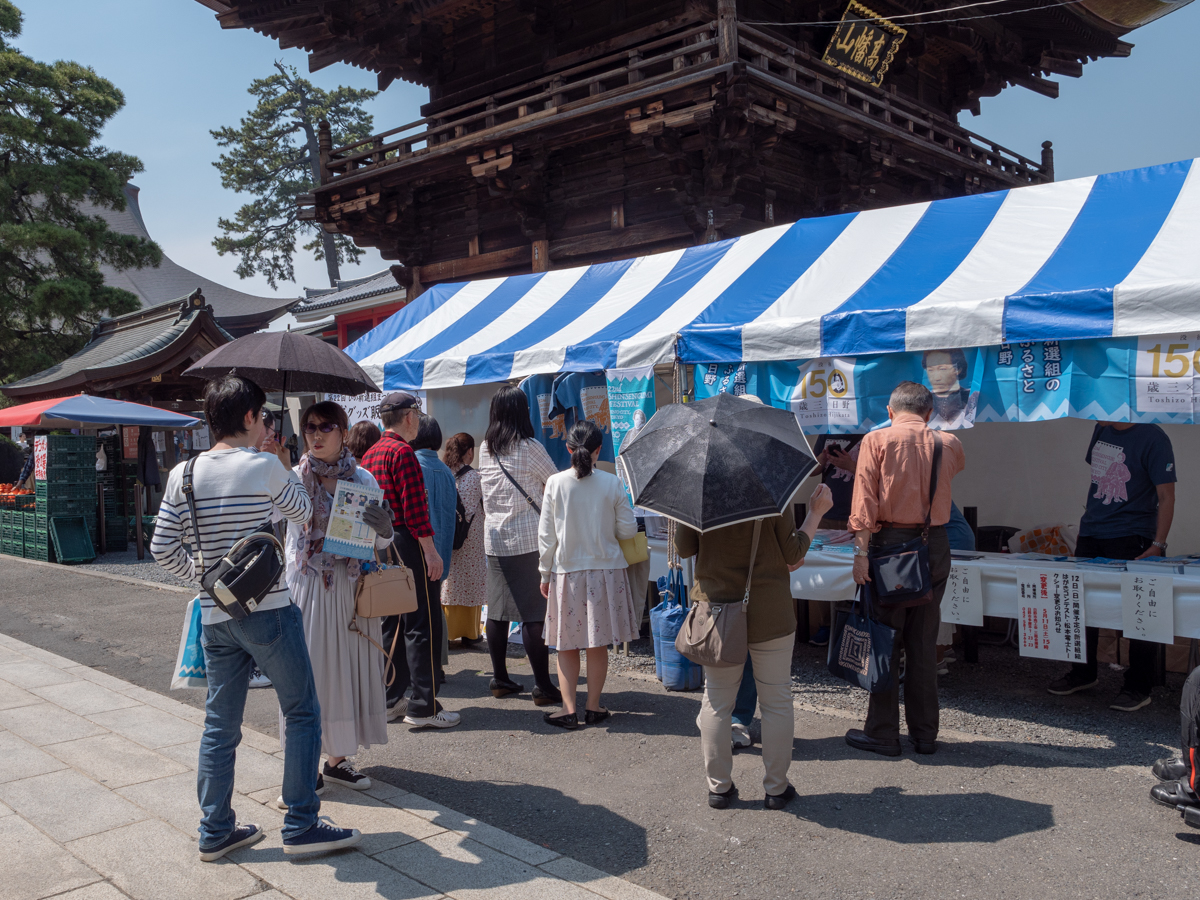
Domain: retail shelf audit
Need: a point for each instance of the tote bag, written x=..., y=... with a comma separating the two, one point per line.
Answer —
x=189, y=671
x=860, y=648
x=673, y=669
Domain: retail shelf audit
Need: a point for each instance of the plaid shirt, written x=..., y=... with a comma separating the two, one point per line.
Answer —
x=394, y=465
x=510, y=523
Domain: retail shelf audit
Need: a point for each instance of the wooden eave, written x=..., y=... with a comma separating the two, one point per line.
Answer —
x=201, y=336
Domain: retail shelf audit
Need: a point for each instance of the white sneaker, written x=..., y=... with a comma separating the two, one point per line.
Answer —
x=399, y=711
x=741, y=736
x=444, y=719
x=259, y=680
x=282, y=807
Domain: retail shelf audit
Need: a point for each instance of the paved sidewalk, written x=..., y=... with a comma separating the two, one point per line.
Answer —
x=98, y=801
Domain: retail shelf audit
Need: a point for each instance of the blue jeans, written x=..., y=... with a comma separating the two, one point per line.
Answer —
x=747, y=696
x=274, y=640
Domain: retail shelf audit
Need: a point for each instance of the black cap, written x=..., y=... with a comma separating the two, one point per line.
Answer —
x=398, y=400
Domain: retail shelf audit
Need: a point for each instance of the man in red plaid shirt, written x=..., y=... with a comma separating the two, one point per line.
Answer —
x=394, y=464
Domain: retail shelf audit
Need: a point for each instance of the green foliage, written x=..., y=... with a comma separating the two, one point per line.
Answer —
x=273, y=155
x=11, y=459
x=52, y=292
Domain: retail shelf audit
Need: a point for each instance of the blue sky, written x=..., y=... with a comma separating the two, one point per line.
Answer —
x=183, y=75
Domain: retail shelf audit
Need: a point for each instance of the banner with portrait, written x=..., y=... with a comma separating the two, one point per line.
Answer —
x=1143, y=379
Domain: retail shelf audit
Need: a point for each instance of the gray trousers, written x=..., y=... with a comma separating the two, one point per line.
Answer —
x=916, y=634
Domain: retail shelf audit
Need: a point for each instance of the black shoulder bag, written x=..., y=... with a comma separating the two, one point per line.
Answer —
x=462, y=525
x=537, y=509
x=247, y=573
x=900, y=574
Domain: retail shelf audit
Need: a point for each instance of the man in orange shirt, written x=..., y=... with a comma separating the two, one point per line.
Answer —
x=890, y=505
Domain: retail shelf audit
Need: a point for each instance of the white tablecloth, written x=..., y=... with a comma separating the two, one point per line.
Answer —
x=826, y=576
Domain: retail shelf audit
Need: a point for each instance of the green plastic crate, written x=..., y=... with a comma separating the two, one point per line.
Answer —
x=72, y=540
x=71, y=442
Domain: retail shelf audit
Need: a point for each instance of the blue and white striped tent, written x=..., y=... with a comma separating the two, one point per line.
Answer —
x=1107, y=256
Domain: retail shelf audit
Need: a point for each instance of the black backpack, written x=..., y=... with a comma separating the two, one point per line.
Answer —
x=462, y=525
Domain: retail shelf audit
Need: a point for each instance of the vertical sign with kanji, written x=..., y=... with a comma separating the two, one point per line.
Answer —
x=1051, y=612
x=962, y=603
x=864, y=44
x=1148, y=607
x=39, y=458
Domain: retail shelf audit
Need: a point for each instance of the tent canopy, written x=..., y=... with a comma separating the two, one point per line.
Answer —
x=1105, y=256
x=82, y=410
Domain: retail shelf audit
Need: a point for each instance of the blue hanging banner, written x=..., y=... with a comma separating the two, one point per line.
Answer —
x=1144, y=379
x=550, y=430
x=630, y=406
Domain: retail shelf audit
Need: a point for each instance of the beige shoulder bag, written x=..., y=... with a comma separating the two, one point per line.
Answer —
x=390, y=590
x=714, y=634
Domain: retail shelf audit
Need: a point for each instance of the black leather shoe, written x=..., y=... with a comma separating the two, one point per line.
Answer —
x=925, y=747
x=569, y=721
x=595, y=716
x=779, y=801
x=1173, y=794
x=722, y=801
x=544, y=698
x=504, y=688
x=858, y=739
x=1170, y=769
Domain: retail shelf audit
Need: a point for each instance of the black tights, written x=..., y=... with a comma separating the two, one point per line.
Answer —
x=535, y=649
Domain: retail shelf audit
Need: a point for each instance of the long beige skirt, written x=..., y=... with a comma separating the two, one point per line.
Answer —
x=347, y=669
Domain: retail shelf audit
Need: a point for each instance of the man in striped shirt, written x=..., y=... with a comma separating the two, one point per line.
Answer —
x=236, y=490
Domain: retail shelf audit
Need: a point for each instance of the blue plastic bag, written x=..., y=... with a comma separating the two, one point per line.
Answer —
x=676, y=672
x=189, y=663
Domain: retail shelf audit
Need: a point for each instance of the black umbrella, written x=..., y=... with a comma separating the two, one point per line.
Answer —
x=283, y=361
x=717, y=462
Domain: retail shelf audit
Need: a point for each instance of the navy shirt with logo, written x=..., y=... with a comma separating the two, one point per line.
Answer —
x=1127, y=467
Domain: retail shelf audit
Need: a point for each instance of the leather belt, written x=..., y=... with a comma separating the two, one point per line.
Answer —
x=917, y=527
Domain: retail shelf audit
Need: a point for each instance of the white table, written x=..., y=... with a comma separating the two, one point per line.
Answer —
x=826, y=576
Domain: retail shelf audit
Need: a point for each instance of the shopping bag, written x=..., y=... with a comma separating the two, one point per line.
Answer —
x=860, y=648
x=189, y=663
x=673, y=669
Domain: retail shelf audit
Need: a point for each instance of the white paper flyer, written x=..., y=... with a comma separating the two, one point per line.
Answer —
x=348, y=534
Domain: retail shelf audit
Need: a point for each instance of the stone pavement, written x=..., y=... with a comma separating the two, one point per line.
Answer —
x=98, y=801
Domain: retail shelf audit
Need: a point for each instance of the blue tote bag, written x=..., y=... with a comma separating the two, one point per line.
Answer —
x=189, y=669
x=674, y=670
x=860, y=648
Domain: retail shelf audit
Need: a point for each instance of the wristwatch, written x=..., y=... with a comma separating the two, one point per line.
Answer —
x=860, y=552
x=1159, y=545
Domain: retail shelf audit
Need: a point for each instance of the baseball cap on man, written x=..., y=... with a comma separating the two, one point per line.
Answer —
x=398, y=400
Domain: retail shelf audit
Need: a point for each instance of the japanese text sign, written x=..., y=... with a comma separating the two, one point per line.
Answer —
x=864, y=44
x=1148, y=607
x=1051, y=613
x=962, y=603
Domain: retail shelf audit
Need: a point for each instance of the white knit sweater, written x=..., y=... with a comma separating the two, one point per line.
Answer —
x=582, y=520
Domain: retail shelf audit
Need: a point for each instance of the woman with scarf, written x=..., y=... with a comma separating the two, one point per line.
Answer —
x=348, y=669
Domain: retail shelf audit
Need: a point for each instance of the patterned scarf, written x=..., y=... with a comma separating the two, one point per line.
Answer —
x=310, y=554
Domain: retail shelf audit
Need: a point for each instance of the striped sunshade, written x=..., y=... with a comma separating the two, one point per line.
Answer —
x=1105, y=256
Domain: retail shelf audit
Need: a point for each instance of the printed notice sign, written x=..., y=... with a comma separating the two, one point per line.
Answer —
x=1148, y=607
x=1051, y=613
x=962, y=603
x=348, y=534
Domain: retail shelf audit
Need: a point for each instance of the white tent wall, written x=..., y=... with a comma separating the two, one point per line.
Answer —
x=461, y=409
x=1025, y=474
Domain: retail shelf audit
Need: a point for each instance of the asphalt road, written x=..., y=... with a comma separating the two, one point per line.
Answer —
x=985, y=817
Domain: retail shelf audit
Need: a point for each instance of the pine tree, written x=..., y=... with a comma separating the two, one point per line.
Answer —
x=273, y=155
x=52, y=292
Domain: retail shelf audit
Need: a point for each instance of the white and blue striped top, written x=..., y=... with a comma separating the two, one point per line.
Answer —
x=237, y=490
x=1104, y=256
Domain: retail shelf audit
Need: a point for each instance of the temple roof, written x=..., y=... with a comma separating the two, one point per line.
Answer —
x=239, y=312
x=349, y=294
x=130, y=349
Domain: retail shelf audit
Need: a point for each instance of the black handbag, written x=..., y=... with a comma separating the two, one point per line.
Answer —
x=860, y=648
x=462, y=525
x=244, y=575
x=900, y=573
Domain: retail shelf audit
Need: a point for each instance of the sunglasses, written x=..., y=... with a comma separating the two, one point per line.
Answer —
x=324, y=428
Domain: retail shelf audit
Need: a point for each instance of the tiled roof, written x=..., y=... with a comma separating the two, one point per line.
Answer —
x=348, y=291
x=169, y=280
x=122, y=340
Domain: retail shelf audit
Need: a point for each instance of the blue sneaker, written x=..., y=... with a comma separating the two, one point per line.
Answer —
x=322, y=837
x=821, y=637
x=241, y=836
